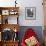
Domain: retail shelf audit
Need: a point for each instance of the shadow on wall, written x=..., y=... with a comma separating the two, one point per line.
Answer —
x=37, y=29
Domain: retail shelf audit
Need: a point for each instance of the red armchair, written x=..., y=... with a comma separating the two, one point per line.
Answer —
x=28, y=34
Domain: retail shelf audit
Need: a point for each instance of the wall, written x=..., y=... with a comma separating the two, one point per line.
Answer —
x=39, y=13
x=7, y=3
x=25, y=3
x=44, y=12
x=37, y=30
x=22, y=21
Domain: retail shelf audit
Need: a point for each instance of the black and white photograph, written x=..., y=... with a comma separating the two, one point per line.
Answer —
x=30, y=13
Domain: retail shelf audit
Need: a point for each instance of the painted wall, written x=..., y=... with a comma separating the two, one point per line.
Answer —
x=39, y=13
x=37, y=29
x=22, y=21
x=25, y=3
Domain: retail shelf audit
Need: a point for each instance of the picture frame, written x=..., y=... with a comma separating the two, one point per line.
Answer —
x=5, y=12
x=30, y=13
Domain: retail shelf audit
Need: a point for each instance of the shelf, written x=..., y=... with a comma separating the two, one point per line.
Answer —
x=8, y=10
x=10, y=26
x=8, y=15
x=11, y=41
x=5, y=8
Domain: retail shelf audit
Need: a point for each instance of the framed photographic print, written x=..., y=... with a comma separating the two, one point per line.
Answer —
x=5, y=12
x=30, y=13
